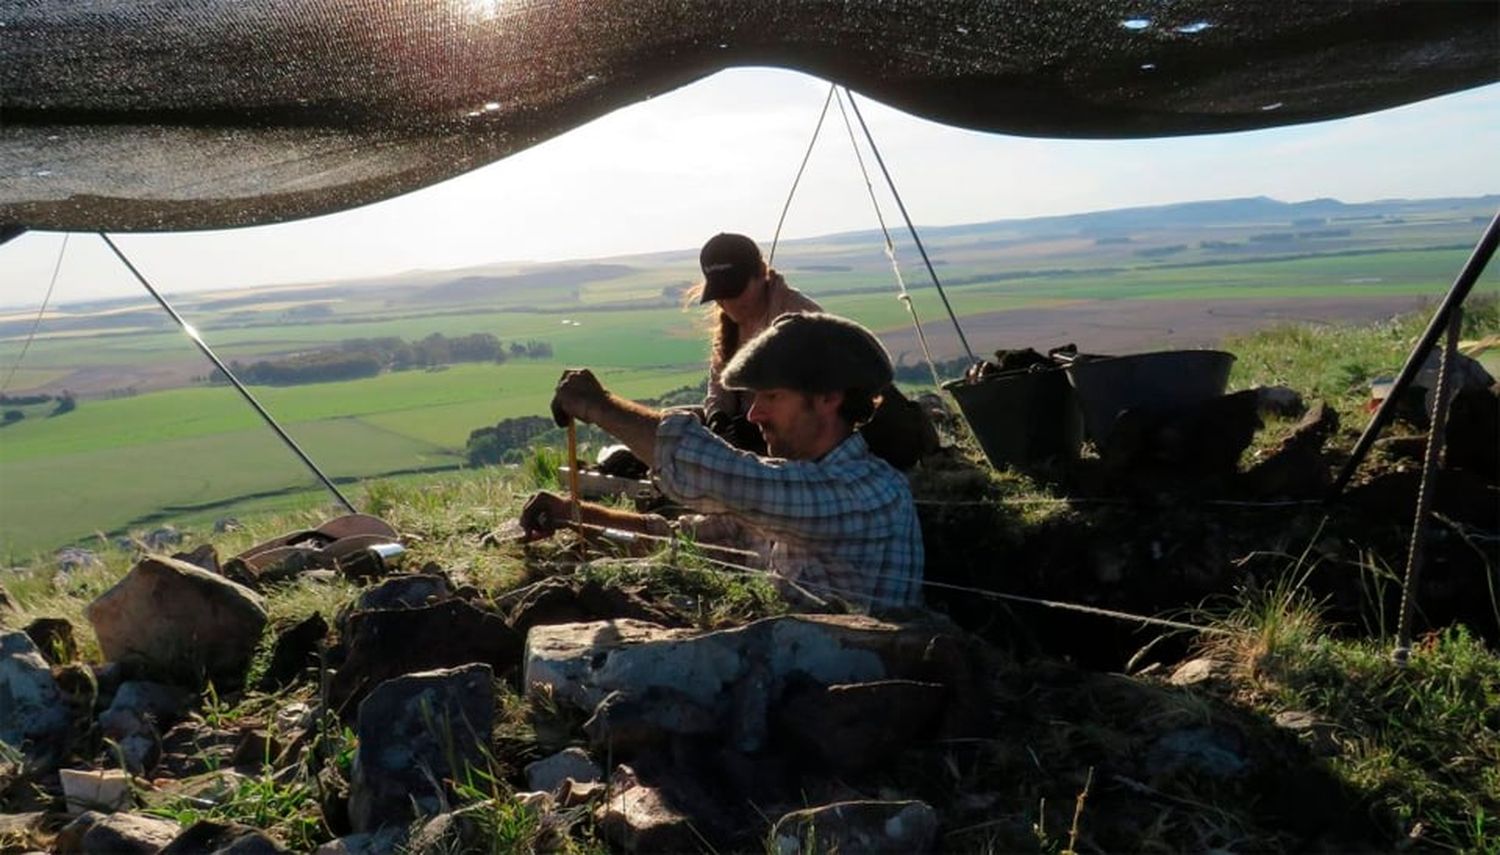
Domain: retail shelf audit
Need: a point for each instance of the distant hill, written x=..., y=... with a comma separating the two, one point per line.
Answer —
x=1252, y=210
x=1193, y=232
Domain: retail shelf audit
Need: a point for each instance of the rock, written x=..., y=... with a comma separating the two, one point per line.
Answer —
x=1465, y=374
x=256, y=747
x=208, y=837
x=22, y=831
x=104, y=790
x=172, y=617
x=640, y=818
x=626, y=724
x=54, y=639
x=224, y=525
x=1184, y=443
x=1279, y=401
x=294, y=716
x=215, y=786
x=1295, y=467
x=415, y=731
x=855, y=727
x=456, y=831
x=108, y=676
x=138, y=716
x=907, y=827
x=381, y=646
x=410, y=591
x=574, y=793
x=1212, y=751
x=72, y=558
x=1196, y=671
x=7, y=605
x=295, y=650
x=157, y=702
x=115, y=834
x=190, y=749
x=1317, y=736
x=539, y=804
x=744, y=669
x=548, y=775
x=382, y=842
x=204, y=556
x=33, y=717
x=563, y=600
x=158, y=539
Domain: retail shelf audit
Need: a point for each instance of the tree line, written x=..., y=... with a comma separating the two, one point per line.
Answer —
x=66, y=402
x=357, y=358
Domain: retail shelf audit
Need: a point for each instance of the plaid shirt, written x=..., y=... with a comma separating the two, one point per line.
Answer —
x=843, y=525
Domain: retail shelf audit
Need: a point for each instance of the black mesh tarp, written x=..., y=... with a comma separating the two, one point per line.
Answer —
x=185, y=115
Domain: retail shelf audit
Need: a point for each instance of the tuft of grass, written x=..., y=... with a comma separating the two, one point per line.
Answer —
x=285, y=809
x=1420, y=743
x=695, y=581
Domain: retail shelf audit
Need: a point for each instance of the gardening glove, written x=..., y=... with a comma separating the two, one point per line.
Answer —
x=578, y=391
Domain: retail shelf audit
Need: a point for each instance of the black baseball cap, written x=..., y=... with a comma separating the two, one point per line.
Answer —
x=729, y=261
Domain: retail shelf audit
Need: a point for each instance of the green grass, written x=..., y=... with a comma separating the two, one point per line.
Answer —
x=1420, y=743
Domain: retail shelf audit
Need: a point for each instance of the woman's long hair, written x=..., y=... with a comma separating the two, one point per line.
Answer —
x=726, y=332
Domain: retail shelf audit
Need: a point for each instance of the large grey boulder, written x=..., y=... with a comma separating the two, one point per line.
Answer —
x=115, y=834
x=415, y=732
x=900, y=828
x=173, y=617
x=33, y=716
x=742, y=670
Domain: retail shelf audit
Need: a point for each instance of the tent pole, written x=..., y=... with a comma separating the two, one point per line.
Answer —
x=1455, y=297
x=245, y=393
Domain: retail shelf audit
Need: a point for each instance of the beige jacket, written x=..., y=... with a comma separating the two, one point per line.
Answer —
x=780, y=299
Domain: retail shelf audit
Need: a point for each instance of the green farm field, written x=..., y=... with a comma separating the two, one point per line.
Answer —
x=113, y=464
x=149, y=442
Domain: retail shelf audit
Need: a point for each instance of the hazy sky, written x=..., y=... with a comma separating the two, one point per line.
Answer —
x=721, y=155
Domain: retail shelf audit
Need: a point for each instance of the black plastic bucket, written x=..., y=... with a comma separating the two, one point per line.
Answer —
x=1021, y=417
x=1170, y=378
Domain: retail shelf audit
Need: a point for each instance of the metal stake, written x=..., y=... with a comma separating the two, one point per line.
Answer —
x=1436, y=435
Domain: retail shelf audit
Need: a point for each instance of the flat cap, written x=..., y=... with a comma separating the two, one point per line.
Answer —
x=811, y=352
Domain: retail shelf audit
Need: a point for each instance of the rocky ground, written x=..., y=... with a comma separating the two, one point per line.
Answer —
x=316, y=692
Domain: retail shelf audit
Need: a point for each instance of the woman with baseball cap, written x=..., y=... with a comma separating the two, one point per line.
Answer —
x=748, y=296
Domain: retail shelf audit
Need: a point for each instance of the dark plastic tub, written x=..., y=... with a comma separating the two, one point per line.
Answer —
x=1021, y=417
x=1170, y=378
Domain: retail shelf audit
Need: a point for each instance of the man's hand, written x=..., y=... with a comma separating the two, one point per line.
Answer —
x=544, y=514
x=579, y=393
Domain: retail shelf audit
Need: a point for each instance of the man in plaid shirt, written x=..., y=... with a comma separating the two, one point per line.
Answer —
x=826, y=514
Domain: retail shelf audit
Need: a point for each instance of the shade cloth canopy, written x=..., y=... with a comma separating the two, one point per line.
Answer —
x=191, y=114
